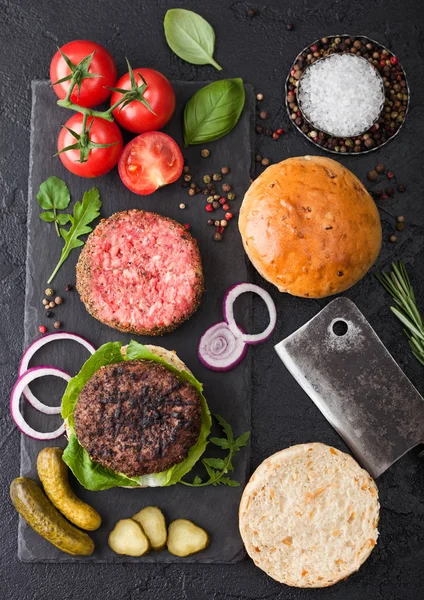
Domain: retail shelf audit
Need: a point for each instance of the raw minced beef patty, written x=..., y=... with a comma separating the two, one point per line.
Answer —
x=137, y=417
x=140, y=272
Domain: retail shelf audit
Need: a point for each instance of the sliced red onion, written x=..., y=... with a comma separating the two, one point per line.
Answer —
x=15, y=396
x=219, y=349
x=32, y=349
x=231, y=296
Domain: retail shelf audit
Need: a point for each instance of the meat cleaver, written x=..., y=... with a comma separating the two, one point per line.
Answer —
x=341, y=363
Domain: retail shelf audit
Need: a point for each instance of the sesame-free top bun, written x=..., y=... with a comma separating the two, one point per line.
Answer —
x=308, y=516
x=310, y=227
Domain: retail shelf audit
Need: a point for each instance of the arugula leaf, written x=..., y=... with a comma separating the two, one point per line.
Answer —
x=213, y=111
x=84, y=213
x=217, y=468
x=52, y=196
x=190, y=36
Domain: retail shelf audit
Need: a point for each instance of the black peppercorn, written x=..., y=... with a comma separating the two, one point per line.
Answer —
x=69, y=288
x=290, y=27
x=372, y=175
x=259, y=129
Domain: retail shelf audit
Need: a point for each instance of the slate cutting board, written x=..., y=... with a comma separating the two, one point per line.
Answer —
x=224, y=263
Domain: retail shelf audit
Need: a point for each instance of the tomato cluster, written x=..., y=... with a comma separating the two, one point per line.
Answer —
x=83, y=75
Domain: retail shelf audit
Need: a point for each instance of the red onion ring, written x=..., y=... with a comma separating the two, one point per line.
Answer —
x=15, y=396
x=230, y=297
x=32, y=349
x=219, y=349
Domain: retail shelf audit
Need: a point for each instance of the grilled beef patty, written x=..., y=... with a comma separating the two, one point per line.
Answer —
x=136, y=417
x=140, y=272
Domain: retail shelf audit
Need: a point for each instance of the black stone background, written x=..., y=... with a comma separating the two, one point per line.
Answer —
x=260, y=50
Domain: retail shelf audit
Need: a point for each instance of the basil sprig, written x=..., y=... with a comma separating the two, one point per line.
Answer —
x=213, y=111
x=190, y=37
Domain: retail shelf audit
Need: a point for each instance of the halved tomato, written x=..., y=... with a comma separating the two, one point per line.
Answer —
x=150, y=161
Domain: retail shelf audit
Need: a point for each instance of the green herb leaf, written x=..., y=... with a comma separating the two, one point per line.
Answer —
x=221, y=442
x=63, y=218
x=47, y=216
x=213, y=111
x=85, y=213
x=190, y=37
x=53, y=193
x=217, y=468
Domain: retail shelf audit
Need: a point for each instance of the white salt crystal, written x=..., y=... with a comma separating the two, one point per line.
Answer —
x=341, y=94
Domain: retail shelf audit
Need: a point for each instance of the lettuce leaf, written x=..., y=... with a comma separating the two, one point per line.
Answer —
x=92, y=475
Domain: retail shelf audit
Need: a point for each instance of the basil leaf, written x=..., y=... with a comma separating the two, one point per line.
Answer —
x=53, y=193
x=47, y=216
x=213, y=111
x=190, y=37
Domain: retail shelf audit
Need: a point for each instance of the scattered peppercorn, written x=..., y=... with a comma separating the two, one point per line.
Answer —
x=275, y=136
x=46, y=306
x=49, y=292
x=225, y=207
x=215, y=204
x=207, y=178
x=182, y=205
x=223, y=223
x=42, y=329
x=69, y=287
x=401, y=189
x=45, y=302
x=380, y=168
x=258, y=158
x=187, y=226
x=49, y=314
x=263, y=115
x=211, y=222
x=209, y=208
x=372, y=175
x=393, y=239
x=259, y=97
x=186, y=169
x=217, y=237
x=191, y=192
x=400, y=226
x=251, y=12
x=58, y=300
x=217, y=223
x=57, y=325
x=52, y=304
x=290, y=27
x=217, y=176
x=265, y=162
x=390, y=174
x=225, y=170
x=193, y=185
x=280, y=131
x=400, y=219
x=228, y=216
x=259, y=129
x=231, y=196
x=187, y=177
x=226, y=187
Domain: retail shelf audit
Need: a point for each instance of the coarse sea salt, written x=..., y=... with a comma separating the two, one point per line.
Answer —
x=341, y=94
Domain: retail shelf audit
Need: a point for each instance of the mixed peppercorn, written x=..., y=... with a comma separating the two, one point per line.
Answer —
x=50, y=303
x=385, y=193
x=395, y=86
x=218, y=195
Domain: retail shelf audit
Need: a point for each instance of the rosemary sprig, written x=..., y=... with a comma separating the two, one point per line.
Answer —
x=398, y=285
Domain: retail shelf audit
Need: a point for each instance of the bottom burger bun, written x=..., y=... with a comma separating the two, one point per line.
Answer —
x=135, y=416
x=308, y=516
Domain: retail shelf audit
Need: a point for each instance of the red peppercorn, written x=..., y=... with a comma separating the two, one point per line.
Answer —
x=209, y=208
x=393, y=60
x=390, y=175
x=42, y=329
x=222, y=200
x=187, y=226
x=228, y=216
x=226, y=206
x=279, y=131
x=314, y=48
x=382, y=62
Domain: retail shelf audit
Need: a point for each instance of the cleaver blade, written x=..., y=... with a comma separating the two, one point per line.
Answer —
x=343, y=366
